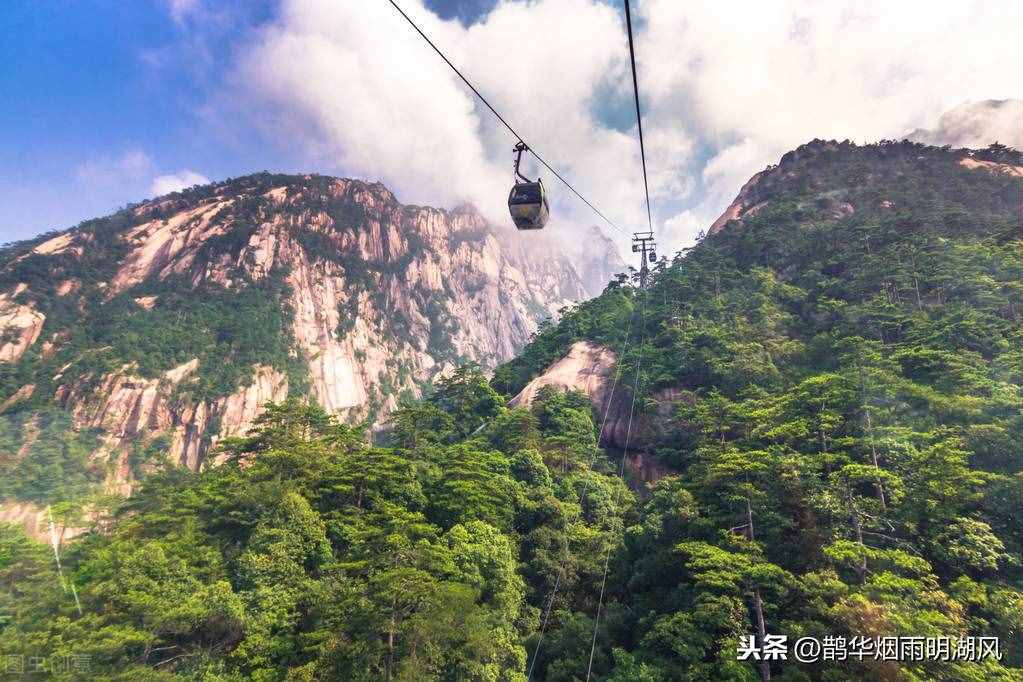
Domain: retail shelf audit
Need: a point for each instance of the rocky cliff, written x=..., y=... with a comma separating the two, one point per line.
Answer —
x=173, y=321
x=592, y=370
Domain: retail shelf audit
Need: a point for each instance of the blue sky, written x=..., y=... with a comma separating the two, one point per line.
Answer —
x=107, y=102
x=104, y=96
x=101, y=101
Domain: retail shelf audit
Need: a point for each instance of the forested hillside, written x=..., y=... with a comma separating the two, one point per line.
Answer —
x=846, y=365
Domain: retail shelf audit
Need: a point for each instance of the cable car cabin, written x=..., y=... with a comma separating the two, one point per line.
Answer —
x=527, y=204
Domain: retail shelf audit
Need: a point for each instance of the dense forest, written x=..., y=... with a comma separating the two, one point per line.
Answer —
x=844, y=461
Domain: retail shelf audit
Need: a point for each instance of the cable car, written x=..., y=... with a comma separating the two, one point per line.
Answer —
x=527, y=201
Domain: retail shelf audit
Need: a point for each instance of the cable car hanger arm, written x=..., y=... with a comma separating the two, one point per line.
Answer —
x=519, y=148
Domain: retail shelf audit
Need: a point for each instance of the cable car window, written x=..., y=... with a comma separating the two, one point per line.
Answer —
x=526, y=193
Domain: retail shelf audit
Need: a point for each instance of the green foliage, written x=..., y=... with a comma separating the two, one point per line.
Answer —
x=307, y=554
x=850, y=380
x=844, y=456
x=44, y=459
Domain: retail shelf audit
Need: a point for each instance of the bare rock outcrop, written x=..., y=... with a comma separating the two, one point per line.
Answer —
x=992, y=166
x=743, y=203
x=589, y=368
x=380, y=299
x=20, y=325
x=23, y=393
x=127, y=409
x=35, y=520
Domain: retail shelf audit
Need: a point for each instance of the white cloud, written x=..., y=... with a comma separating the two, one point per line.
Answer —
x=357, y=88
x=668, y=147
x=110, y=181
x=180, y=9
x=127, y=168
x=755, y=80
x=978, y=124
x=373, y=106
x=682, y=229
x=174, y=182
x=727, y=88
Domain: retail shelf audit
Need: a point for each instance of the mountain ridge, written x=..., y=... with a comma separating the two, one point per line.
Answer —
x=181, y=316
x=823, y=187
x=756, y=192
x=819, y=408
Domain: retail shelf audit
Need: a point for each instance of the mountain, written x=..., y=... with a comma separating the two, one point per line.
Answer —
x=167, y=326
x=814, y=165
x=822, y=403
x=817, y=412
x=812, y=220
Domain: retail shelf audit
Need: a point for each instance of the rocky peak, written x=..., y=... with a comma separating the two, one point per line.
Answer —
x=839, y=174
x=179, y=317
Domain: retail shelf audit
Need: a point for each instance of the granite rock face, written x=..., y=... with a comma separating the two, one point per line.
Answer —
x=380, y=299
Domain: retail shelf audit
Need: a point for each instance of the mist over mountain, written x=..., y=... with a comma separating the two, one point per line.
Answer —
x=977, y=124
